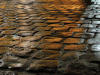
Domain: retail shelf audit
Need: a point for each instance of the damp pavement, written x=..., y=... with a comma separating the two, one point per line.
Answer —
x=49, y=37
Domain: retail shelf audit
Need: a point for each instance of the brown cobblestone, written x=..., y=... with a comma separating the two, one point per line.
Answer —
x=8, y=43
x=52, y=39
x=46, y=65
x=79, y=22
x=1, y=19
x=67, y=22
x=19, y=6
x=25, y=28
x=60, y=29
x=78, y=35
x=52, y=21
x=9, y=32
x=23, y=21
x=9, y=38
x=38, y=21
x=49, y=18
x=11, y=20
x=43, y=33
x=3, y=49
x=70, y=25
x=83, y=35
x=81, y=47
x=75, y=19
x=62, y=18
x=8, y=27
x=78, y=12
x=68, y=13
x=45, y=54
x=30, y=38
x=21, y=15
x=70, y=56
x=34, y=15
x=46, y=37
x=23, y=24
x=77, y=30
x=64, y=11
x=65, y=34
x=52, y=57
x=40, y=24
x=73, y=40
x=72, y=16
x=45, y=15
x=42, y=28
x=50, y=46
x=54, y=25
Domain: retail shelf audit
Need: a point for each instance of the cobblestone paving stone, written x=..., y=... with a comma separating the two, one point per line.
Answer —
x=49, y=37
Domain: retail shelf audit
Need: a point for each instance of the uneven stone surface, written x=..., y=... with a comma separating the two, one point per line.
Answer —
x=49, y=37
x=47, y=65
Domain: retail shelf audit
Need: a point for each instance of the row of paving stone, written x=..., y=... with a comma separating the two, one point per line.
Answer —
x=39, y=37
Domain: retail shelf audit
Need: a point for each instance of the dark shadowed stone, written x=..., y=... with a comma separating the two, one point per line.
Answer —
x=96, y=57
x=26, y=73
x=79, y=69
x=86, y=56
x=7, y=73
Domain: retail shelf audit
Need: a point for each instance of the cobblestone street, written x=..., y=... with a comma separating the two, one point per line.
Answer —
x=49, y=37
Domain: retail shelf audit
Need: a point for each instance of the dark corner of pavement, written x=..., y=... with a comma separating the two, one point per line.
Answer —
x=89, y=2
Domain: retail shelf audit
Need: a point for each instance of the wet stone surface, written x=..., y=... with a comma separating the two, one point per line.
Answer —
x=49, y=37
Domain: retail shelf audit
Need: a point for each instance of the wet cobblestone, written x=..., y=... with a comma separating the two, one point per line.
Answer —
x=49, y=37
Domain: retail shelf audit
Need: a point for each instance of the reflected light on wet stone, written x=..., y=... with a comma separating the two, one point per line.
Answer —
x=37, y=34
x=26, y=1
x=96, y=47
